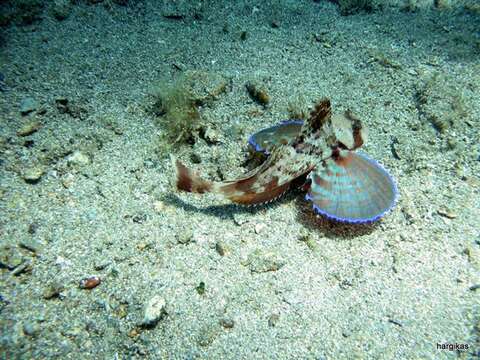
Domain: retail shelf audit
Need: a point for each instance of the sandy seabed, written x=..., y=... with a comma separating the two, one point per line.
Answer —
x=86, y=186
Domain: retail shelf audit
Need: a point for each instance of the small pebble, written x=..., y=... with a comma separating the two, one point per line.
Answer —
x=240, y=218
x=89, y=282
x=133, y=333
x=185, y=236
x=211, y=136
x=32, y=175
x=201, y=288
x=139, y=218
x=447, y=213
x=154, y=311
x=53, y=290
x=68, y=180
x=33, y=227
x=78, y=159
x=227, y=323
x=61, y=101
x=30, y=329
x=221, y=248
x=273, y=320
x=101, y=265
x=259, y=228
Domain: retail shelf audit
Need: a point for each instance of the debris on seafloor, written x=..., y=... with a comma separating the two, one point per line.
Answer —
x=177, y=104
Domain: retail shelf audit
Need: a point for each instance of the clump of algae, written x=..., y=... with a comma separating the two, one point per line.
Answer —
x=178, y=111
x=349, y=7
x=177, y=104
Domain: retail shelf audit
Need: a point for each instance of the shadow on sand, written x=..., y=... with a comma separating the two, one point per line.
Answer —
x=305, y=215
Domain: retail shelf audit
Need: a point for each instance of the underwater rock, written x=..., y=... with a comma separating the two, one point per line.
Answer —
x=68, y=180
x=31, y=328
x=78, y=159
x=260, y=227
x=185, y=236
x=154, y=311
x=61, y=102
x=29, y=128
x=27, y=105
x=10, y=257
x=211, y=136
x=33, y=174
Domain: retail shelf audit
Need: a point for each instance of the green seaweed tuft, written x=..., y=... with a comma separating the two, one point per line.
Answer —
x=350, y=7
x=178, y=111
x=176, y=104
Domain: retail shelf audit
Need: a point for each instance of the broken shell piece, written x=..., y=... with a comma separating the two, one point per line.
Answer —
x=89, y=282
x=155, y=310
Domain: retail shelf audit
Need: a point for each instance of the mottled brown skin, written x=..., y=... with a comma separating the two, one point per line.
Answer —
x=287, y=162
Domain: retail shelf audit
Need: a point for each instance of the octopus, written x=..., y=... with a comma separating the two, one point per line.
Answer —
x=316, y=155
